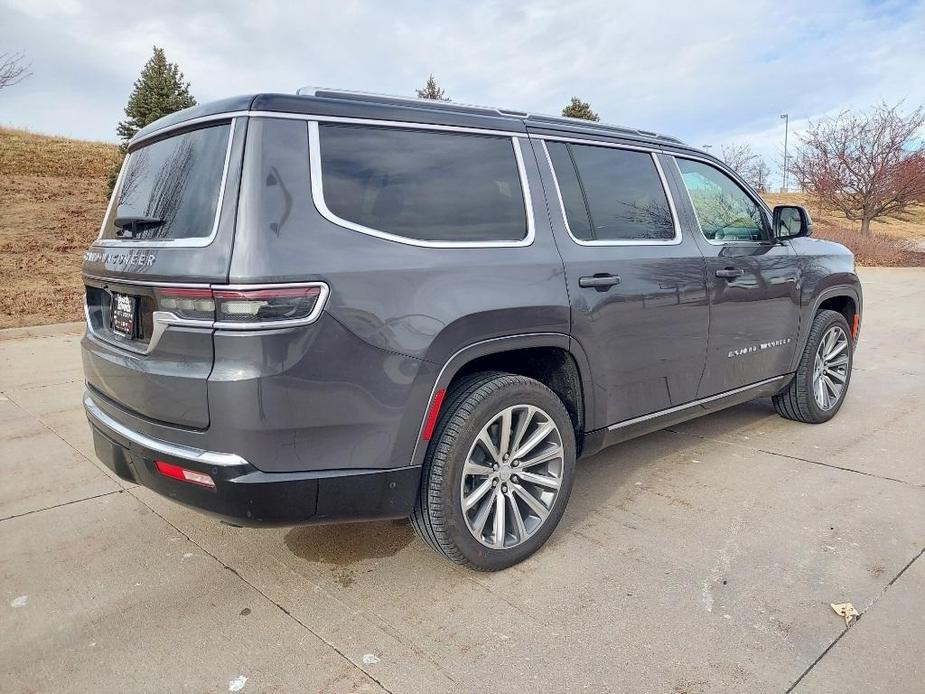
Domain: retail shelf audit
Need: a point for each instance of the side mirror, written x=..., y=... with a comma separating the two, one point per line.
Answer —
x=791, y=221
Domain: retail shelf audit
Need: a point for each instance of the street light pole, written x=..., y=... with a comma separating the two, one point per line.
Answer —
x=707, y=148
x=786, y=117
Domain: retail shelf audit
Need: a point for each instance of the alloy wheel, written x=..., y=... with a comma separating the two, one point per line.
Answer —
x=830, y=370
x=512, y=476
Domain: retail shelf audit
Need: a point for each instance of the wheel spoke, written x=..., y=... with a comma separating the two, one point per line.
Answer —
x=474, y=468
x=522, y=423
x=541, y=480
x=518, y=517
x=535, y=439
x=477, y=493
x=504, y=440
x=478, y=523
x=832, y=373
x=841, y=361
x=551, y=453
x=836, y=349
x=817, y=388
x=830, y=388
x=489, y=445
x=499, y=520
x=531, y=501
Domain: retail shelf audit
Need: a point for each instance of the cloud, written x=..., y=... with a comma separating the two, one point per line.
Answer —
x=709, y=72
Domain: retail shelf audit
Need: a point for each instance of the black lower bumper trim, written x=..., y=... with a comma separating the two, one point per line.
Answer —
x=244, y=495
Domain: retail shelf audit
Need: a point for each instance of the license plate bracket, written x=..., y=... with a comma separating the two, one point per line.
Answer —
x=123, y=315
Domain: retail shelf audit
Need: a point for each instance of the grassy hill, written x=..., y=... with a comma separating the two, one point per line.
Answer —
x=52, y=200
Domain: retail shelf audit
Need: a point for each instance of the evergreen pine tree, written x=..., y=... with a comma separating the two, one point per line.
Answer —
x=432, y=90
x=580, y=109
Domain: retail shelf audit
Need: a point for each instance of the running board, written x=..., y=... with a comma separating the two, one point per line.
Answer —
x=645, y=424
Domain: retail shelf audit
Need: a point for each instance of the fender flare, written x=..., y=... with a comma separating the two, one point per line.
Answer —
x=805, y=325
x=497, y=345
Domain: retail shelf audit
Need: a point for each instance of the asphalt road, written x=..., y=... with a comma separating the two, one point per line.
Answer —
x=698, y=559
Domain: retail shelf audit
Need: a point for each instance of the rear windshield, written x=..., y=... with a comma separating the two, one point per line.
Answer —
x=423, y=185
x=170, y=188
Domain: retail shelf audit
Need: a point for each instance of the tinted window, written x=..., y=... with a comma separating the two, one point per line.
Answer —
x=174, y=184
x=624, y=196
x=423, y=185
x=573, y=200
x=724, y=210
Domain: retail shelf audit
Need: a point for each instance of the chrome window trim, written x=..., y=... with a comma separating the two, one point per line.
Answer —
x=160, y=132
x=176, y=450
x=596, y=143
x=674, y=241
x=195, y=242
x=738, y=181
x=413, y=125
x=317, y=185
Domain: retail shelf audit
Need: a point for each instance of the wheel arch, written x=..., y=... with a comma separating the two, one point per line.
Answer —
x=843, y=298
x=523, y=354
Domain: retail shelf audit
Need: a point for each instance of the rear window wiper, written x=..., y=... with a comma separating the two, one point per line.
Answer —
x=129, y=226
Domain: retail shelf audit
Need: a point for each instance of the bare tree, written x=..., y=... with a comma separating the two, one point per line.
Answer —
x=867, y=165
x=750, y=166
x=13, y=69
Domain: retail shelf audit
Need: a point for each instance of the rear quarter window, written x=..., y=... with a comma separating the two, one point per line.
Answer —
x=174, y=184
x=426, y=186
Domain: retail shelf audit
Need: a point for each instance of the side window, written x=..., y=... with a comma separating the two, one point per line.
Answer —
x=423, y=185
x=725, y=211
x=611, y=194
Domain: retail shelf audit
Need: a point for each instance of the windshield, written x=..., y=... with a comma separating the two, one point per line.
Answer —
x=170, y=188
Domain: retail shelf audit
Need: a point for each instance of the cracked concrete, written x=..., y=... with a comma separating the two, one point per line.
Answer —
x=697, y=559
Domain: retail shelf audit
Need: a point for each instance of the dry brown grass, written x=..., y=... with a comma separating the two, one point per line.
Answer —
x=894, y=242
x=52, y=199
x=911, y=227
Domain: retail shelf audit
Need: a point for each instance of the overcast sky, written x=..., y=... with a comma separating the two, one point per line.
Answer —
x=710, y=72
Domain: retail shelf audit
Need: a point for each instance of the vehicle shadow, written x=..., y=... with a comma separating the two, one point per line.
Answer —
x=602, y=480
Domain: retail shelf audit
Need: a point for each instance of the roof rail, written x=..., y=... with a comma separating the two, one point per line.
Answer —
x=473, y=108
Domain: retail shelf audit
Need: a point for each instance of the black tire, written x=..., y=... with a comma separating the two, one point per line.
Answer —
x=470, y=405
x=797, y=401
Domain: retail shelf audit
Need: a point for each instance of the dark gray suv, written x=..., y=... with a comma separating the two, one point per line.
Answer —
x=333, y=306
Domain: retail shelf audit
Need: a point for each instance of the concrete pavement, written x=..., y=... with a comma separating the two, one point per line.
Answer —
x=697, y=559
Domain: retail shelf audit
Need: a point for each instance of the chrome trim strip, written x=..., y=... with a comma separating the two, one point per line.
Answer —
x=196, y=242
x=674, y=241
x=165, y=319
x=596, y=143
x=147, y=283
x=275, y=325
x=175, y=450
x=412, y=125
x=186, y=123
x=737, y=179
x=695, y=403
x=317, y=185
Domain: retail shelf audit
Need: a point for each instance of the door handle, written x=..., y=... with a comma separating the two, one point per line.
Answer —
x=601, y=281
x=730, y=273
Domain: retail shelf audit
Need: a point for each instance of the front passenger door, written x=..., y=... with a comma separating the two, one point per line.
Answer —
x=752, y=280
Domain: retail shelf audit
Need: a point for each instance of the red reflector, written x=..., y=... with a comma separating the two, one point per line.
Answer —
x=433, y=414
x=856, y=325
x=182, y=474
x=184, y=293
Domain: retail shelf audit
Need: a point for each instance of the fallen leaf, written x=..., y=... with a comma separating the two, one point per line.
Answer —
x=846, y=610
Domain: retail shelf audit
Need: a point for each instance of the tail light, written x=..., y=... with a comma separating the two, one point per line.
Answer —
x=242, y=307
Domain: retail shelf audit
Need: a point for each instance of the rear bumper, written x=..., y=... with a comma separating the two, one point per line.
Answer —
x=243, y=494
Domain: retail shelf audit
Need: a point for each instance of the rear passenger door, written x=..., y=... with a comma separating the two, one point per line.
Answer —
x=636, y=284
x=753, y=279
